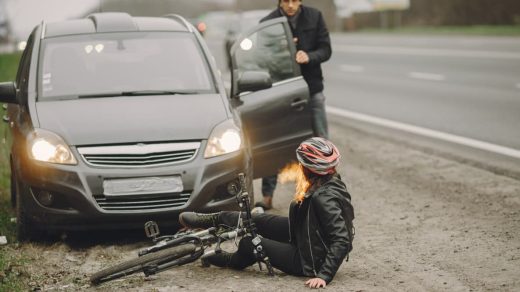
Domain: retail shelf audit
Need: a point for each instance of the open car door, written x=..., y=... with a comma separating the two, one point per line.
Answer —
x=271, y=95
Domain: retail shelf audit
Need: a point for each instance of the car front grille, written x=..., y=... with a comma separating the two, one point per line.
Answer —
x=141, y=202
x=139, y=155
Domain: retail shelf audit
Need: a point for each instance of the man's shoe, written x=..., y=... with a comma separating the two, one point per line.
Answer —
x=266, y=204
x=221, y=259
x=198, y=220
x=263, y=206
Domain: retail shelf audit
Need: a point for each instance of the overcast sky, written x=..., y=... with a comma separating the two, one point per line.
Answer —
x=24, y=15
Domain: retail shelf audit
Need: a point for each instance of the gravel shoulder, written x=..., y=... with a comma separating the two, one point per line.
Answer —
x=423, y=223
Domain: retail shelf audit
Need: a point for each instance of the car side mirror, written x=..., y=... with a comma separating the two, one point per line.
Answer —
x=8, y=92
x=253, y=81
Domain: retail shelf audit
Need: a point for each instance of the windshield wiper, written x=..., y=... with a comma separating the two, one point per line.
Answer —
x=156, y=92
x=136, y=93
x=107, y=94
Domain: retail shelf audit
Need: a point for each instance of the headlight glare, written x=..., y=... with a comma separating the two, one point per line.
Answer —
x=230, y=141
x=48, y=147
x=225, y=138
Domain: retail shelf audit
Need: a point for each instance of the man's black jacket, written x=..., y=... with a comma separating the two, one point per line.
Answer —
x=313, y=38
x=321, y=227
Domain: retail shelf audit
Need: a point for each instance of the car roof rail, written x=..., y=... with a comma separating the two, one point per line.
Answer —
x=113, y=21
x=43, y=29
x=181, y=20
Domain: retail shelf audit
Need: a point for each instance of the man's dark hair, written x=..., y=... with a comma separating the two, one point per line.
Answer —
x=280, y=1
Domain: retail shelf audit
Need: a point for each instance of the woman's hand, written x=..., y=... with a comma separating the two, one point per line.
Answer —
x=316, y=283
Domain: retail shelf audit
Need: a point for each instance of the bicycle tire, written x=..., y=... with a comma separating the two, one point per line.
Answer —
x=136, y=265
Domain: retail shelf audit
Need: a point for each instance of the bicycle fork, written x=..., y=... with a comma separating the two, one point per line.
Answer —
x=261, y=256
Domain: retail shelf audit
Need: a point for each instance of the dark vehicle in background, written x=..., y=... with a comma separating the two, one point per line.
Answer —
x=240, y=23
x=117, y=120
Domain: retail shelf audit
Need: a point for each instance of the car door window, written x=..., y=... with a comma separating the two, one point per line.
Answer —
x=267, y=50
x=22, y=77
x=275, y=119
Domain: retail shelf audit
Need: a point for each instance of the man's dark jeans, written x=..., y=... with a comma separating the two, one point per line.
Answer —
x=319, y=116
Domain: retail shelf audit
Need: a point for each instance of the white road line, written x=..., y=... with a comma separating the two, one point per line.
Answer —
x=425, y=52
x=352, y=68
x=510, y=152
x=426, y=76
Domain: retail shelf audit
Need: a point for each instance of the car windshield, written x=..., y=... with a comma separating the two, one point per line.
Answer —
x=98, y=64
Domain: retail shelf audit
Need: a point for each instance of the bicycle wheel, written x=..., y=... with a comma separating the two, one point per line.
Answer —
x=136, y=265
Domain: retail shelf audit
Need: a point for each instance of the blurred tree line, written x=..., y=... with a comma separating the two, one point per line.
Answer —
x=463, y=12
x=445, y=13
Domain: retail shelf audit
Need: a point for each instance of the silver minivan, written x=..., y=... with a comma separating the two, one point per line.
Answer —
x=116, y=120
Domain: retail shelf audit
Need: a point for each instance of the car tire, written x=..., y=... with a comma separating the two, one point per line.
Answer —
x=13, y=190
x=250, y=172
x=25, y=230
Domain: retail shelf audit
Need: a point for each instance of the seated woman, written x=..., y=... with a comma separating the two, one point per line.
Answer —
x=316, y=237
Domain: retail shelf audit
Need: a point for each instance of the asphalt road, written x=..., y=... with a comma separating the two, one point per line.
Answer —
x=464, y=86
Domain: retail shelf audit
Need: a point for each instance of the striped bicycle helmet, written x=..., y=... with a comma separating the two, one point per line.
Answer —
x=318, y=155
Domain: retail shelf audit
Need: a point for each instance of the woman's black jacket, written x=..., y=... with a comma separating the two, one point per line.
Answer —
x=313, y=38
x=321, y=227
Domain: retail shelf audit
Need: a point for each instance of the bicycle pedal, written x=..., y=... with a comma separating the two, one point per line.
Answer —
x=151, y=229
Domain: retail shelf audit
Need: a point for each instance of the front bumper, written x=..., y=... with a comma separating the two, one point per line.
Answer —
x=79, y=202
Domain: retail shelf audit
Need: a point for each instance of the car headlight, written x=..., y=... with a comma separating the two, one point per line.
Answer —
x=47, y=146
x=225, y=138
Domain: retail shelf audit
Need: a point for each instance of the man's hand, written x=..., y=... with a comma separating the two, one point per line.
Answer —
x=316, y=283
x=302, y=57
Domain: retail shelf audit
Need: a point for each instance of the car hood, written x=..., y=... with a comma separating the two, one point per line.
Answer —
x=132, y=119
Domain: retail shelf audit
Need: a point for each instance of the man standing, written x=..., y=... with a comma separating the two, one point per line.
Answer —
x=313, y=48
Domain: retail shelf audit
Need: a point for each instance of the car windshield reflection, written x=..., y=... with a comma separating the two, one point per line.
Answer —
x=117, y=63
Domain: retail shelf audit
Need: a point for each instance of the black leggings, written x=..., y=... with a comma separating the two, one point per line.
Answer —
x=275, y=241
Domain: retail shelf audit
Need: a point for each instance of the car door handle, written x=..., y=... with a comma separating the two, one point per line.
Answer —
x=298, y=104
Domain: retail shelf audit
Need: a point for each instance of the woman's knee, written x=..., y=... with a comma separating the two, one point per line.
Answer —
x=244, y=256
x=246, y=246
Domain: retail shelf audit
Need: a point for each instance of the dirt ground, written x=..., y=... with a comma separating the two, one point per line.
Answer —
x=423, y=223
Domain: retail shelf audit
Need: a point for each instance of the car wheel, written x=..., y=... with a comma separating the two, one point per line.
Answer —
x=249, y=173
x=25, y=231
x=13, y=190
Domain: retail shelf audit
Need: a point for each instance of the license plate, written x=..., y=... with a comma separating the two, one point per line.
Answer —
x=142, y=185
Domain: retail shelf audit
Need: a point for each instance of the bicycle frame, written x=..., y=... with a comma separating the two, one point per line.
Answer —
x=209, y=236
x=200, y=241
